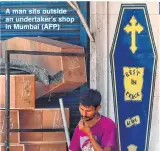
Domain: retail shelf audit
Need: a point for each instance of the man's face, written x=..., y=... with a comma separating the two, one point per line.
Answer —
x=87, y=112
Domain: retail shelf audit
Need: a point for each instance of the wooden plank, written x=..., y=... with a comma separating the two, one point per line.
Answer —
x=14, y=124
x=22, y=91
x=14, y=148
x=54, y=137
x=54, y=118
x=46, y=147
x=42, y=118
x=30, y=119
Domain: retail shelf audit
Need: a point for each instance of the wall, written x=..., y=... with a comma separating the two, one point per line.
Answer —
x=103, y=19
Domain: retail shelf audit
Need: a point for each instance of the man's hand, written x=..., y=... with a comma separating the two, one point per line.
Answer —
x=83, y=126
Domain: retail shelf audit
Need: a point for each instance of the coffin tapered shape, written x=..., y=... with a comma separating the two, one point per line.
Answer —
x=73, y=67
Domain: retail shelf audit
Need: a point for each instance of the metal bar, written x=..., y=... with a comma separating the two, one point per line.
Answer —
x=64, y=121
x=108, y=65
x=7, y=100
x=38, y=130
x=46, y=53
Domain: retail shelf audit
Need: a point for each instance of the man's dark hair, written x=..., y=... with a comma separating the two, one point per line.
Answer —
x=90, y=97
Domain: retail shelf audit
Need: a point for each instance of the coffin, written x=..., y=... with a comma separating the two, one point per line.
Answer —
x=73, y=67
x=22, y=91
x=42, y=118
x=14, y=124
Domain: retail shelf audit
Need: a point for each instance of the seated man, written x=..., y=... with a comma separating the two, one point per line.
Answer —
x=94, y=132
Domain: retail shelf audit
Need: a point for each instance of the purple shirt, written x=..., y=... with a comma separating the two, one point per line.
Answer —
x=104, y=132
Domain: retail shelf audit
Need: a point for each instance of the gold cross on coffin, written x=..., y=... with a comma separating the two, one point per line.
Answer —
x=133, y=27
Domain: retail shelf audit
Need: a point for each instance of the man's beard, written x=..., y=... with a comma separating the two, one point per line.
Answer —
x=88, y=118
